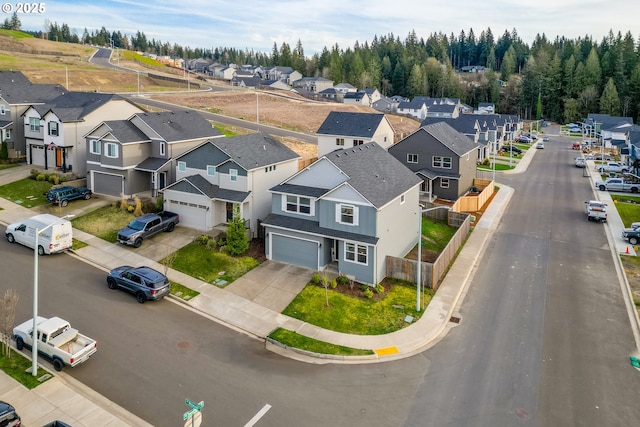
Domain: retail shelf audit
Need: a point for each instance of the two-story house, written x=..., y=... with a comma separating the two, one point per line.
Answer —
x=137, y=155
x=342, y=129
x=17, y=94
x=347, y=211
x=227, y=175
x=312, y=84
x=443, y=158
x=54, y=131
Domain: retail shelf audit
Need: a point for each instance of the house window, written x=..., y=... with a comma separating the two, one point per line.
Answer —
x=442, y=162
x=233, y=173
x=356, y=253
x=298, y=204
x=444, y=182
x=357, y=142
x=111, y=150
x=211, y=170
x=34, y=124
x=163, y=148
x=53, y=128
x=347, y=214
x=340, y=141
x=182, y=166
x=94, y=146
x=3, y=109
x=412, y=158
x=7, y=134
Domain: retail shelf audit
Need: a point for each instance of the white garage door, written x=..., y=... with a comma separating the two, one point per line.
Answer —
x=192, y=215
x=290, y=250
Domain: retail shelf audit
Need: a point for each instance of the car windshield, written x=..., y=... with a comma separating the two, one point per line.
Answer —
x=137, y=225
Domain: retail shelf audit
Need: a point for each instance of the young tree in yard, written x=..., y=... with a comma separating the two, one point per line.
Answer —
x=4, y=151
x=237, y=241
x=326, y=282
x=7, y=318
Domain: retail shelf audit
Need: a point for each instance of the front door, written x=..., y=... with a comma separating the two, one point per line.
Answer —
x=162, y=180
x=229, y=211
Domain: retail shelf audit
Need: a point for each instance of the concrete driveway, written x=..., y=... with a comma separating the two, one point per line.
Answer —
x=271, y=284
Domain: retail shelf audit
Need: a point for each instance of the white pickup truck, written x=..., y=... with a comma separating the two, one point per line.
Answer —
x=57, y=340
x=618, y=184
x=595, y=210
x=612, y=167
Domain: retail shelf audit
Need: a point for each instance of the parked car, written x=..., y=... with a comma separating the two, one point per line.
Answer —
x=64, y=195
x=512, y=148
x=540, y=145
x=523, y=139
x=143, y=282
x=146, y=226
x=575, y=146
x=8, y=415
x=595, y=210
x=632, y=235
x=545, y=138
x=580, y=162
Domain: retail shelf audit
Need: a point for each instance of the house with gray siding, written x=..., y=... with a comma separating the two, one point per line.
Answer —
x=227, y=175
x=343, y=129
x=55, y=132
x=137, y=155
x=443, y=158
x=347, y=211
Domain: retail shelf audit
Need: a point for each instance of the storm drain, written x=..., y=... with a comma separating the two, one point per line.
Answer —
x=454, y=319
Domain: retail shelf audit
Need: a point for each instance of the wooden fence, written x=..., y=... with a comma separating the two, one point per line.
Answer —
x=432, y=273
x=473, y=201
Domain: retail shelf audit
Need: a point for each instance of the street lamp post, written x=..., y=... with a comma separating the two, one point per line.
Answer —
x=34, y=337
x=419, y=274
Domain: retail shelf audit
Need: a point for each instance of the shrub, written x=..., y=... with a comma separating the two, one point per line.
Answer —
x=343, y=280
x=334, y=284
x=53, y=179
x=41, y=177
x=35, y=173
x=4, y=150
x=316, y=278
x=138, y=209
x=379, y=288
x=368, y=292
x=237, y=241
x=212, y=244
x=159, y=203
x=202, y=240
x=130, y=209
x=123, y=202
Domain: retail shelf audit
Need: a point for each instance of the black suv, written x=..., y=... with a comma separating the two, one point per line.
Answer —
x=63, y=195
x=511, y=148
x=143, y=282
x=8, y=416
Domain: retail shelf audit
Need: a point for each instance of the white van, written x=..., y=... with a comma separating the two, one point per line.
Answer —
x=56, y=238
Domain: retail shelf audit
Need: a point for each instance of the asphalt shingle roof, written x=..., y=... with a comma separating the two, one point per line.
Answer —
x=449, y=137
x=255, y=150
x=351, y=124
x=215, y=192
x=301, y=190
x=73, y=106
x=15, y=88
x=125, y=131
x=374, y=173
x=181, y=125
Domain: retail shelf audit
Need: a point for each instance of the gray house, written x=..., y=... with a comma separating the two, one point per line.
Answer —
x=347, y=211
x=345, y=129
x=224, y=175
x=442, y=157
x=137, y=155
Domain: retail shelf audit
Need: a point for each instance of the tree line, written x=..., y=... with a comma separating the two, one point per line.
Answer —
x=561, y=79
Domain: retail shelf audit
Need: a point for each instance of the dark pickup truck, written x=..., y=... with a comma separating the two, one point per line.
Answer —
x=146, y=226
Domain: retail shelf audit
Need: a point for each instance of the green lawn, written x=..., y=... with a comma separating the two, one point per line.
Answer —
x=353, y=315
x=16, y=367
x=292, y=339
x=208, y=264
x=629, y=212
x=103, y=222
x=26, y=192
x=436, y=234
x=498, y=167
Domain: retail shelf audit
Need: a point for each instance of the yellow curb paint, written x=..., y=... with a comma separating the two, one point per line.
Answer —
x=387, y=351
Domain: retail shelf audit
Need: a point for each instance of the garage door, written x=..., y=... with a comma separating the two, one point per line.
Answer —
x=303, y=253
x=192, y=215
x=104, y=183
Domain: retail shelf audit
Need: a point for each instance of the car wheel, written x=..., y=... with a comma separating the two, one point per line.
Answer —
x=40, y=250
x=634, y=189
x=64, y=203
x=19, y=343
x=137, y=243
x=58, y=365
x=141, y=298
x=633, y=240
x=602, y=188
x=170, y=227
x=111, y=283
x=10, y=238
x=87, y=196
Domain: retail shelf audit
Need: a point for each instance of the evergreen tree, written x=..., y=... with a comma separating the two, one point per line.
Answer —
x=610, y=101
x=15, y=23
x=237, y=241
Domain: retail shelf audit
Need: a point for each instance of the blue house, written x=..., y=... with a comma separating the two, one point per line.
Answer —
x=347, y=211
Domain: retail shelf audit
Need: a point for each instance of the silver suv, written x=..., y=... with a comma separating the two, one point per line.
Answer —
x=143, y=282
x=8, y=416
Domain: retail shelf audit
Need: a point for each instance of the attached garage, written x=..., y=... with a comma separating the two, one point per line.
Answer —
x=106, y=183
x=192, y=215
x=292, y=250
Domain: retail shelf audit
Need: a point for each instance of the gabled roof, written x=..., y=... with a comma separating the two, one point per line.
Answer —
x=441, y=108
x=73, y=106
x=255, y=150
x=414, y=104
x=180, y=125
x=465, y=123
x=152, y=164
x=373, y=172
x=15, y=88
x=354, y=95
x=449, y=137
x=351, y=124
x=210, y=190
x=125, y=131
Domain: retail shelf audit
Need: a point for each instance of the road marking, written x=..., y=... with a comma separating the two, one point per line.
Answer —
x=387, y=351
x=257, y=416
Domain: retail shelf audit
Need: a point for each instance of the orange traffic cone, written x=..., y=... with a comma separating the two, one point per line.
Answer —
x=627, y=250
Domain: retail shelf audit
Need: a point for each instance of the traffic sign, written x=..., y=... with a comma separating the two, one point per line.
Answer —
x=194, y=405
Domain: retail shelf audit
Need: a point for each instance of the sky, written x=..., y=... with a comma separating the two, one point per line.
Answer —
x=257, y=24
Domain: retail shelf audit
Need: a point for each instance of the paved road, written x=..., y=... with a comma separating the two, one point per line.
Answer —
x=544, y=338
